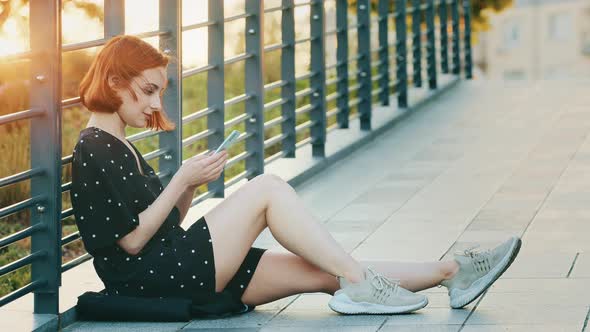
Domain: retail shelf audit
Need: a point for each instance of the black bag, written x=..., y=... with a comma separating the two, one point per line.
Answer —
x=102, y=307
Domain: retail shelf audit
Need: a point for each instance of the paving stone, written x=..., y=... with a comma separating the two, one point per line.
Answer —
x=521, y=328
x=435, y=316
x=123, y=326
x=582, y=267
x=421, y=328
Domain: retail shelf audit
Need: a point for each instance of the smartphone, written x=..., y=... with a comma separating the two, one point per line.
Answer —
x=231, y=138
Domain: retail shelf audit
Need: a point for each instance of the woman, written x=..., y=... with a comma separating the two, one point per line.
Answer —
x=130, y=223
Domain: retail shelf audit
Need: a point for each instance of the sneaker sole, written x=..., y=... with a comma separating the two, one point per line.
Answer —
x=482, y=284
x=341, y=303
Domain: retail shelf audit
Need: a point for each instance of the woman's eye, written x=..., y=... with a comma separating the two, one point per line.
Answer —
x=148, y=91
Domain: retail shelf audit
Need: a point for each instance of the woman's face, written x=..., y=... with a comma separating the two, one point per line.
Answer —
x=148, y=87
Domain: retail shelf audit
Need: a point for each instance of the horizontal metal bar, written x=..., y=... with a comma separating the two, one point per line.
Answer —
x=237, y=58
x=75, y=262
x=22, y=176
x=237, y=99
x=304, y=109
x=238, y=158
x=274, y=47
x=238, y=178
x=335, y=80
x=67, y=212
x=199, y=136
x=305, y=125
x=304, y=40
x=198, y=25
x=202, y=197
x=142, y=135
x=27, y=203
x=376, y=77
x=355, y=102
x=195, y=71
x=17, y=264
x=274, y=85
x=197, y=115
x=332, y=112
x=155, y=154
x=14, y=237
x=71, y=102
x=149, y=34
x=274, y=9
x=354, y=87
x=274, y=122
x=26, y=55
x=237, y=17
x=12, y=117
x=274, y=140
x=376, y=91
x=303, y=143
x=274, y=157
x=70, y=238
x=83, y=45
x=238, y=119
x=306, y=76
x=275, y=103
x=22, y=291
x=332, y=96
x=304, y=92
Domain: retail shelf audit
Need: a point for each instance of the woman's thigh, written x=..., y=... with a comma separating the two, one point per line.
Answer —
x=234, y=225
x=281, y=274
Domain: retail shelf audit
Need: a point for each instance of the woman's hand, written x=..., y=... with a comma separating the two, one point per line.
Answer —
x=202, y=169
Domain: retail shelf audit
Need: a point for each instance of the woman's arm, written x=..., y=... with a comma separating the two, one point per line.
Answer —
x=153, y=217
x=184, y=202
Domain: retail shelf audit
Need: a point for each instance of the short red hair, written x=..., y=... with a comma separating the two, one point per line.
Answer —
x=125, y=57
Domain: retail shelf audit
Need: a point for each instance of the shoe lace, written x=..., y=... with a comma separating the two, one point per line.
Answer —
x=385, y=286
x=480, y=259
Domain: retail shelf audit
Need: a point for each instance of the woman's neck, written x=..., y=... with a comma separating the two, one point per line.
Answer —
x=109, y=122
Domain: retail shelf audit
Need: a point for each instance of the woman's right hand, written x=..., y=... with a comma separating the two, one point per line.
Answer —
x=201, y=169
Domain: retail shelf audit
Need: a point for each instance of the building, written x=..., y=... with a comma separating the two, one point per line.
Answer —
x=537, y=39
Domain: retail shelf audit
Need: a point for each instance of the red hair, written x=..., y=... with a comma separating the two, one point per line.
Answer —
x=124, y=57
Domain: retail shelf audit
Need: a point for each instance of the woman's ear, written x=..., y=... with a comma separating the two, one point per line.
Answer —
x=114, y=82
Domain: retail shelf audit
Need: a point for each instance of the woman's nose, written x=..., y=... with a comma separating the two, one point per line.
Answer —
x=155, y=103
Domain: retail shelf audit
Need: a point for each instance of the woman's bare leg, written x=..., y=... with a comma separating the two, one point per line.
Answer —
x=279, y=275
x=268, y=201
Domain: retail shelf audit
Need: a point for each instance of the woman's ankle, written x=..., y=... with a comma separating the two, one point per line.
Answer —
x=449, y=270
x=355, y=276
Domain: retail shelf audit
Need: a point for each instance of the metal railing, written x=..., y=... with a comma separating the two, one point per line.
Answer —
x=372, y=81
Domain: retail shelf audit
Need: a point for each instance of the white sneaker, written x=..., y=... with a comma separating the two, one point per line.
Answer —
x=375, y=295
x=479, y=270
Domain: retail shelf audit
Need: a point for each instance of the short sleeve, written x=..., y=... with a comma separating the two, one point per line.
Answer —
x=99, y=196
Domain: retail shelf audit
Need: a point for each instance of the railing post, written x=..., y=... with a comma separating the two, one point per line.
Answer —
x=342, y=62
x=467, y=41
x=430, y=45
x=45, y=133
x=456, y=37
x=114, y=18
x=215, y=87
x=383, y=9
x=444, y=37
x=364, y=63
x=254, y=87
x=288, y=75
x=401, y=69
x=416, y=43
x=317, y=81
x=171, y=21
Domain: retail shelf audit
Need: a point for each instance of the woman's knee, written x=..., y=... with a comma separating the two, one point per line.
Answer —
x=268, y=184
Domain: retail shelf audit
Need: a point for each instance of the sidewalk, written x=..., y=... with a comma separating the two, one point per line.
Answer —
x=483, y=162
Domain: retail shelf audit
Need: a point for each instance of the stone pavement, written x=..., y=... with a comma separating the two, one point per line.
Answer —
x=484, y=161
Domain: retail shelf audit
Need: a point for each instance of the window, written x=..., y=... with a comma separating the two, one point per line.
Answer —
x=561, y=27
x=511, y=34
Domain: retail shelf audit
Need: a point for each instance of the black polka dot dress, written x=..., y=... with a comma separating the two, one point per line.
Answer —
x=108, y=192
